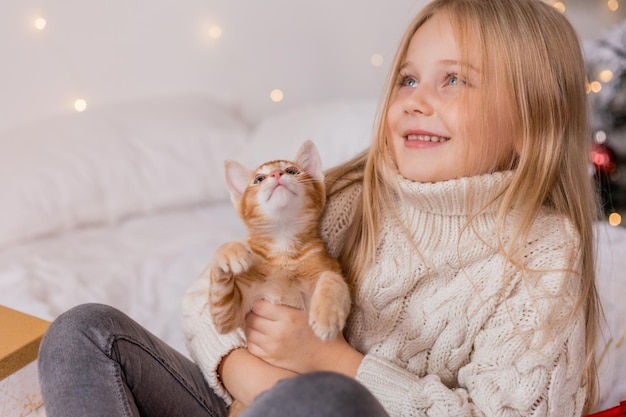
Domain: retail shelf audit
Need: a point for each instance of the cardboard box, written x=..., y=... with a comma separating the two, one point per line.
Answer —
x=20, y=336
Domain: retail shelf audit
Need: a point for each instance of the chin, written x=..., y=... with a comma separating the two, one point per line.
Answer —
x=420, y=176
x=431, y=173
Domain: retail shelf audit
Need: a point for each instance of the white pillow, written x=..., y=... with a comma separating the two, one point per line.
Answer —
x=339, y=129
x=114, y=161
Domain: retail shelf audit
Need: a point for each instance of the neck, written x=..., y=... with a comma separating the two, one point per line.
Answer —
x=284, y=237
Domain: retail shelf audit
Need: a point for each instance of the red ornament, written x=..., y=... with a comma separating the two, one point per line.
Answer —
x=603, y=158
x=617, y=411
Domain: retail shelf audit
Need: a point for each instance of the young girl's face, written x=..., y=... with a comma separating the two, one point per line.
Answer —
x=434, y=121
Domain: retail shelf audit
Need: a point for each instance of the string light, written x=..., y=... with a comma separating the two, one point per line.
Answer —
x=215, y=32
x=560, y=6
x=80, y=105
x=211, y=31
x=593, y=87
x=605, y=76
x=377, y=60
x=40, y=23
x=615, y=219
x=276, y=96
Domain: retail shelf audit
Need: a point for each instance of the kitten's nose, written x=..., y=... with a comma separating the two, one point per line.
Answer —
x=276, y=174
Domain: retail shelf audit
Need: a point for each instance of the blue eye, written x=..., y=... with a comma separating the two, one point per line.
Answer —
x=453, y=79
x=408, y=82
x=258, y=179
x=292, y=171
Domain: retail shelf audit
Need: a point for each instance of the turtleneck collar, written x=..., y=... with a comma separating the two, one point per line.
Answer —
x=455, y=197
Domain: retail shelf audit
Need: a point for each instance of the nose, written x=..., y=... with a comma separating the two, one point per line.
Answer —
x=276, y=174
x=420, y=100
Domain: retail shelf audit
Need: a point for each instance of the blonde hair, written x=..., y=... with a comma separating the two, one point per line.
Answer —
x=532, y=56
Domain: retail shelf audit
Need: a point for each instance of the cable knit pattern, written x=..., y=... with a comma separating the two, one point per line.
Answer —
x=447, y=337
x=206, y=346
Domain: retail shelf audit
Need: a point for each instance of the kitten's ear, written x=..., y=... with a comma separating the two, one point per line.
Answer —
x=309, y=160
x=237, y=179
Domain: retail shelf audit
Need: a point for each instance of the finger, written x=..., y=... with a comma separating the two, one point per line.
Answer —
x=267, y=310
x=258, y=323
x=256, y=350
x=254, y=336
x=260, y=345
x=275, y=312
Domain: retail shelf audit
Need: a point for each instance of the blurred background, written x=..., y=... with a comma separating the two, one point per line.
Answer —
x=258, y=57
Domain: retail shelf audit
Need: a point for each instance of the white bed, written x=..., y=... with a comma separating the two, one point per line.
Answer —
x=125, y=202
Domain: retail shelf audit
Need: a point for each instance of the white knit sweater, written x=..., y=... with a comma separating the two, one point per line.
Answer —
x=457, y=331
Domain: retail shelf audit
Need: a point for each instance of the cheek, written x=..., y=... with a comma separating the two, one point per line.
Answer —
x=394, y=113
x=391, y=145
x=496, y=149
x=468, y=118
x=392, y=127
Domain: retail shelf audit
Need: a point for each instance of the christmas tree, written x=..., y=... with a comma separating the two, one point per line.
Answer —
x=606, y=62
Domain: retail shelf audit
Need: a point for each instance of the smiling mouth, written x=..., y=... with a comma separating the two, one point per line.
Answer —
x=426, y=138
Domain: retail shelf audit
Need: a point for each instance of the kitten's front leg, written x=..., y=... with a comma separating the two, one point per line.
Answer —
x=330, y=305
x=225, y=298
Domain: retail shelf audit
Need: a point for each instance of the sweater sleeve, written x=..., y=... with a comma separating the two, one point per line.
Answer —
x=206, y=346
x=528, y=355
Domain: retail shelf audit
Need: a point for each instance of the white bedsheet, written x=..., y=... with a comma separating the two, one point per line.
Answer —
x=141, y=266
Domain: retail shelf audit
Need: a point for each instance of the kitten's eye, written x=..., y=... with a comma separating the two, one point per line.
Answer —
x=292, y=171
x=258, y=179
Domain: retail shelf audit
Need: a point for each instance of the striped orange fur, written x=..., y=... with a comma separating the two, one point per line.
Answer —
x=284, y=259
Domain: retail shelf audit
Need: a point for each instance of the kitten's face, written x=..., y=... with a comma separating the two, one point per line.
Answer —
x=278, y=187
x=279, y=190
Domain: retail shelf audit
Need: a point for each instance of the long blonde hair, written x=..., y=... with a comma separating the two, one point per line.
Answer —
x=535, y=59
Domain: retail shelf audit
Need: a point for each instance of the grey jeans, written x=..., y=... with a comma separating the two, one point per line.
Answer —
x=96, y=361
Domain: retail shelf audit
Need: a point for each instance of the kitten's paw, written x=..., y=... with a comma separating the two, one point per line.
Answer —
x=224, y=296
x=231, y=258
x=224, y=322
x=327, y=322
x=330, y=305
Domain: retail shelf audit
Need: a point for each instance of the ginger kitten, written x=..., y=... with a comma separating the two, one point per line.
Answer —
x=284, y=259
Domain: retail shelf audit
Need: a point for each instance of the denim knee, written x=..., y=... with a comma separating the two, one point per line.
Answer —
x=335, y=386
x=323, y=394
x=74, y=324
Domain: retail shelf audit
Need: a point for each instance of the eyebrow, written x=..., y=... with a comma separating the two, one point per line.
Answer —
x=447, y=62
x=461, y=64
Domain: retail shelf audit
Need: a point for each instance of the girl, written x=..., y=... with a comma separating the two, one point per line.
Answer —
x=464, y=232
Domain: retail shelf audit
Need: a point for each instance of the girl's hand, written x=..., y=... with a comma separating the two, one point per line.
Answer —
x=282, y=337
x=245, y=376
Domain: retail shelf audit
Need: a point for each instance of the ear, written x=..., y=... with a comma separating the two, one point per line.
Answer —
x=309, y=160
x=237, y=179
